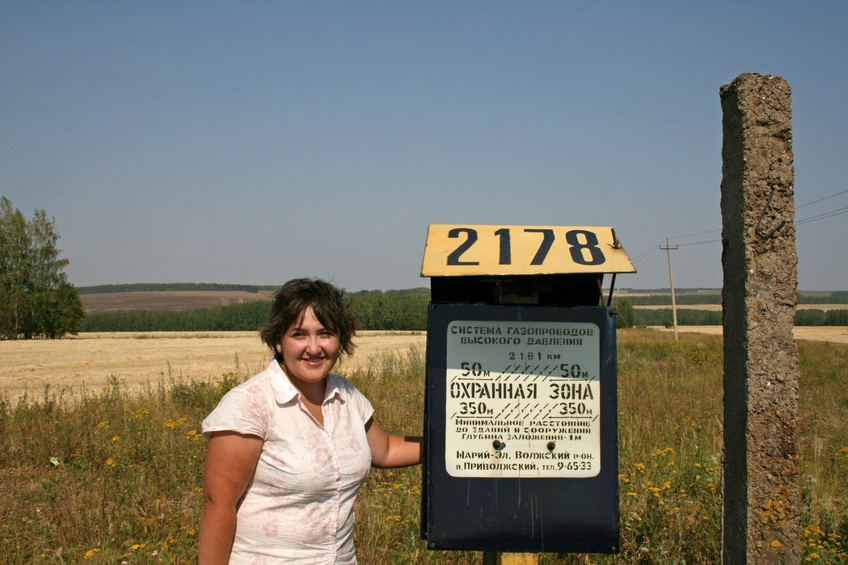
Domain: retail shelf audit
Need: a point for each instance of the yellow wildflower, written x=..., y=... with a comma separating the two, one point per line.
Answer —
x=140, y=413
x=813, y=530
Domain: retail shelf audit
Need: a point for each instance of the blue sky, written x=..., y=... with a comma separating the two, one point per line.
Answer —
x=254, y=142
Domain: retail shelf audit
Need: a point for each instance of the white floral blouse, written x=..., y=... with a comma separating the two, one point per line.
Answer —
x=298, y=507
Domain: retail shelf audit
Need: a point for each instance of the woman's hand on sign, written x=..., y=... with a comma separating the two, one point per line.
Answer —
x=388, y=451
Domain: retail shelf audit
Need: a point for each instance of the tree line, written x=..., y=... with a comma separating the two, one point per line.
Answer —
x=417, y=291
x=246, y=316
x=629, y=317
x=816, y=317
x=378, y=311
x=161, y=287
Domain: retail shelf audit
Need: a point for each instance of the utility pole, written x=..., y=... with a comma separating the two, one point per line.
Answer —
x=668, y=249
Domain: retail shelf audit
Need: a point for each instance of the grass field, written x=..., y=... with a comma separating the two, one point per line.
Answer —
x=168, y=299
x=113, y=476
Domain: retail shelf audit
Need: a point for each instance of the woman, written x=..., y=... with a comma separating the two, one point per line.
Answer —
x=290, y=447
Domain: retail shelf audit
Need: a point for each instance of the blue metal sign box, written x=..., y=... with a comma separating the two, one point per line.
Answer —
x=513, y=513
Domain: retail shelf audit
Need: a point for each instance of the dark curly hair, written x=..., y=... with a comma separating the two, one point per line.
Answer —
x=327, y=303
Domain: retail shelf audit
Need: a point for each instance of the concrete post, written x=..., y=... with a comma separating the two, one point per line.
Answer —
x=761, y=518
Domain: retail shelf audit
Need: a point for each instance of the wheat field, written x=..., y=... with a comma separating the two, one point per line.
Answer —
x=94, y=360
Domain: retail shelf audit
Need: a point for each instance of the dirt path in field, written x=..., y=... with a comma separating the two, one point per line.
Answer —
x=136, y=359
x=829, y=334
x=717, y=307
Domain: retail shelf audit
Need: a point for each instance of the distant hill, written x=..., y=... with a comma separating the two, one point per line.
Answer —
x=417, y=291
x=237, y=310
x=183, y=287
x=163, y=287
x=189, y=296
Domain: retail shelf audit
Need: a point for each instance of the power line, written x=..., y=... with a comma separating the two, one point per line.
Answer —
x=820, y=200
x=820, y=216
x=645, y=258
x=646, y=253
x=694, y=234
x=698, y=242
x=649, y=261
x=823, y=216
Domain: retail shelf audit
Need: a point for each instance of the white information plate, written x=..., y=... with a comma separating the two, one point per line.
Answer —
x=523, y=399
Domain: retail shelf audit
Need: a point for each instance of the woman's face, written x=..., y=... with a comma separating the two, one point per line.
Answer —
x=309, y=350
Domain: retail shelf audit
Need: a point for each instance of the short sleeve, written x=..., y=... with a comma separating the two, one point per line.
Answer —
x=241, y=410
x=360, y=403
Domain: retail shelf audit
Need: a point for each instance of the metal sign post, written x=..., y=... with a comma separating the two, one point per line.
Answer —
x=521, y=418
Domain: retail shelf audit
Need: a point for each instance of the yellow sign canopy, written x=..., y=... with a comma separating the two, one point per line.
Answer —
x=463, y=250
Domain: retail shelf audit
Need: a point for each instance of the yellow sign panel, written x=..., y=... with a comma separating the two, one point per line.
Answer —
x=454, y=250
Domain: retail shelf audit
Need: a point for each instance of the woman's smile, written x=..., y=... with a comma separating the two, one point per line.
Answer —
x=310, y=352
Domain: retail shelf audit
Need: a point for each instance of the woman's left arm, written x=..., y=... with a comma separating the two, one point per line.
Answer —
x=390, y=450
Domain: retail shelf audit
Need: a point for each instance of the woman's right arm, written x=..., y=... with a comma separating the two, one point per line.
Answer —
x=230, y=462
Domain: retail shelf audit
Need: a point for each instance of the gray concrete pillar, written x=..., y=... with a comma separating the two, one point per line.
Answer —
x=761, y=518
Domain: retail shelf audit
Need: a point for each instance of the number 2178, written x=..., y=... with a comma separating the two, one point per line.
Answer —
x=584, y=252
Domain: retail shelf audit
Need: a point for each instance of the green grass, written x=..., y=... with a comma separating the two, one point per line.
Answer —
x=113, y=477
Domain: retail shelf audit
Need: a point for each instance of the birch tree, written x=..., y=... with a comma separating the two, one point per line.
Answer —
x=36, y=299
